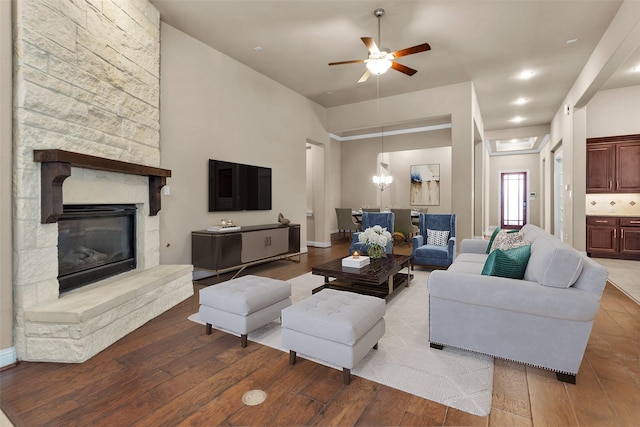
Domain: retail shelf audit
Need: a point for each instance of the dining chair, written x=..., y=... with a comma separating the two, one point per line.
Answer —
x=403, y=223
x=346, y=221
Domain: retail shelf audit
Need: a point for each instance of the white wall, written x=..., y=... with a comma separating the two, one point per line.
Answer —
x=614, y=112
x=7, y=353
x=213, y=107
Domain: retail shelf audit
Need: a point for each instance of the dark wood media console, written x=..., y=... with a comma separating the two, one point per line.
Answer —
x=235, y=250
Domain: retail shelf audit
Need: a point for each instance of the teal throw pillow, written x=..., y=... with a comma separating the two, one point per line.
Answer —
x=510, y=263
x=493, y=236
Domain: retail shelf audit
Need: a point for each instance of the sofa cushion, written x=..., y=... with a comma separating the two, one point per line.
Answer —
x=552, y=263
x=432, y=251
x=472, y=257
x=470, y=267
x=437, y=237
x=506, y=239
x=509, y=263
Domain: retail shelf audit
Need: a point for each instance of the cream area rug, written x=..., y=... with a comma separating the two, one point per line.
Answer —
x=404, y=360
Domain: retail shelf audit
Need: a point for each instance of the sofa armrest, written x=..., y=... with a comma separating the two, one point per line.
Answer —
x=474, y=246
x=451, y=247
x=514, y=295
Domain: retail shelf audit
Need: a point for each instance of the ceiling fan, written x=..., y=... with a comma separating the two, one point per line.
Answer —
x=379, y=61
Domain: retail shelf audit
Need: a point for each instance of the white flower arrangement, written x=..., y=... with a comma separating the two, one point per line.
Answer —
x=375, y=235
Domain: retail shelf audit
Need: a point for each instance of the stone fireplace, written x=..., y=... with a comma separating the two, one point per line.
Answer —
x=86, y=81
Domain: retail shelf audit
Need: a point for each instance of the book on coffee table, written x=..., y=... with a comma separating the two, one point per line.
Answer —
x=358, y=262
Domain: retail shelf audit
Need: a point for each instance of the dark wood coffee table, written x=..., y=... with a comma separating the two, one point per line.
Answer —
x=381, y=278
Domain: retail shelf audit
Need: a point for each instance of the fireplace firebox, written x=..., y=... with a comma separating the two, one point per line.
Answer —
x=95, y=242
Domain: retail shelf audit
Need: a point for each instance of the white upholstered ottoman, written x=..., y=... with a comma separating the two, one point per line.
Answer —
x=244, y=304
x=337, y=327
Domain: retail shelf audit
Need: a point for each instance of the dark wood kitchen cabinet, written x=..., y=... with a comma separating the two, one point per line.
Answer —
x=613, y=164
x=630, y=237
x=613, y=237
x=602, y=235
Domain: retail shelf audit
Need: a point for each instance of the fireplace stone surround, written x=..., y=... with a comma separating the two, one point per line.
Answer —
x=86, y=80
x=76, y=325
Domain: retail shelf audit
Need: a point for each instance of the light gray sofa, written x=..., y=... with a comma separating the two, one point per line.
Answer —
x=543, y=320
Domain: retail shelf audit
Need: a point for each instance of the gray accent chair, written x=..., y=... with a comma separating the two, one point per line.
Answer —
x=369, y=219
x=543, y=320
x=346, y=221
x=434, y=256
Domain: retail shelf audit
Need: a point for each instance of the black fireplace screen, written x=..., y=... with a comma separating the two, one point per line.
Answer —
x=95, y=242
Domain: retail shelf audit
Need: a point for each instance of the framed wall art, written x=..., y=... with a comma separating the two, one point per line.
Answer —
x=425, y=185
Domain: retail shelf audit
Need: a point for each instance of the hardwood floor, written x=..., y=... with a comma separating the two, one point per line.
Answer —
x=168, y=372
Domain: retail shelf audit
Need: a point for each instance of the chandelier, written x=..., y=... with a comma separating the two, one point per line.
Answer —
x=383, y=179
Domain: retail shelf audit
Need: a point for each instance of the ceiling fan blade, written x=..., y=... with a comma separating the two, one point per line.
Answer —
x=371, y=45
x=403, y=68
x=411, y=50
x=364, y=76
x=353, y=61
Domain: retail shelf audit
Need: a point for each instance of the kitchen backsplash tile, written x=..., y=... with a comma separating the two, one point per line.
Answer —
x=613, y=204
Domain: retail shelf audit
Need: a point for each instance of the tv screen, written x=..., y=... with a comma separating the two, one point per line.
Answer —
x=238, y=187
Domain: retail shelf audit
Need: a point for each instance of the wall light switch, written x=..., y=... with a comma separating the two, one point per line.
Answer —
x=166, y=190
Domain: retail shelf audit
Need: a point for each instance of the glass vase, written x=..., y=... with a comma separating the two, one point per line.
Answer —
x=375, y=251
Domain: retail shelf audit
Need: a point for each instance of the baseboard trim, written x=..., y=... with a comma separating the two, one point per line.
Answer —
x=319, y=244
x=7, y=357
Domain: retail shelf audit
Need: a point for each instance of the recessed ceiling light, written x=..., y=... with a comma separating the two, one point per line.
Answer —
x=328, y=92
x=526, y=74
x=570, y=41
x=517, y=119
x=521, y=101
x=636, y=69
x=257, y=48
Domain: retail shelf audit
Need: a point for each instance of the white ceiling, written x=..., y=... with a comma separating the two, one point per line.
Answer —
x=487, y=42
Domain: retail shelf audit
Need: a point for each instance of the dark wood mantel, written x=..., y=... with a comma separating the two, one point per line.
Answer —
x=56, y=167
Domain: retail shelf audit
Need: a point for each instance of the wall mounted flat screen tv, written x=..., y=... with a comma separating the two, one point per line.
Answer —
x=238, y=187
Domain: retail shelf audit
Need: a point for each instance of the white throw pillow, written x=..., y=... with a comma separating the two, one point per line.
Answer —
x=507, y=239
x=437, y=237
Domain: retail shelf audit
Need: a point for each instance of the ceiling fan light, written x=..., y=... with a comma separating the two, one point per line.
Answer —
x=378, y=66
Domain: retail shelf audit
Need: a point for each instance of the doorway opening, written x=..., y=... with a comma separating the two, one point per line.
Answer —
x=513, y=200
